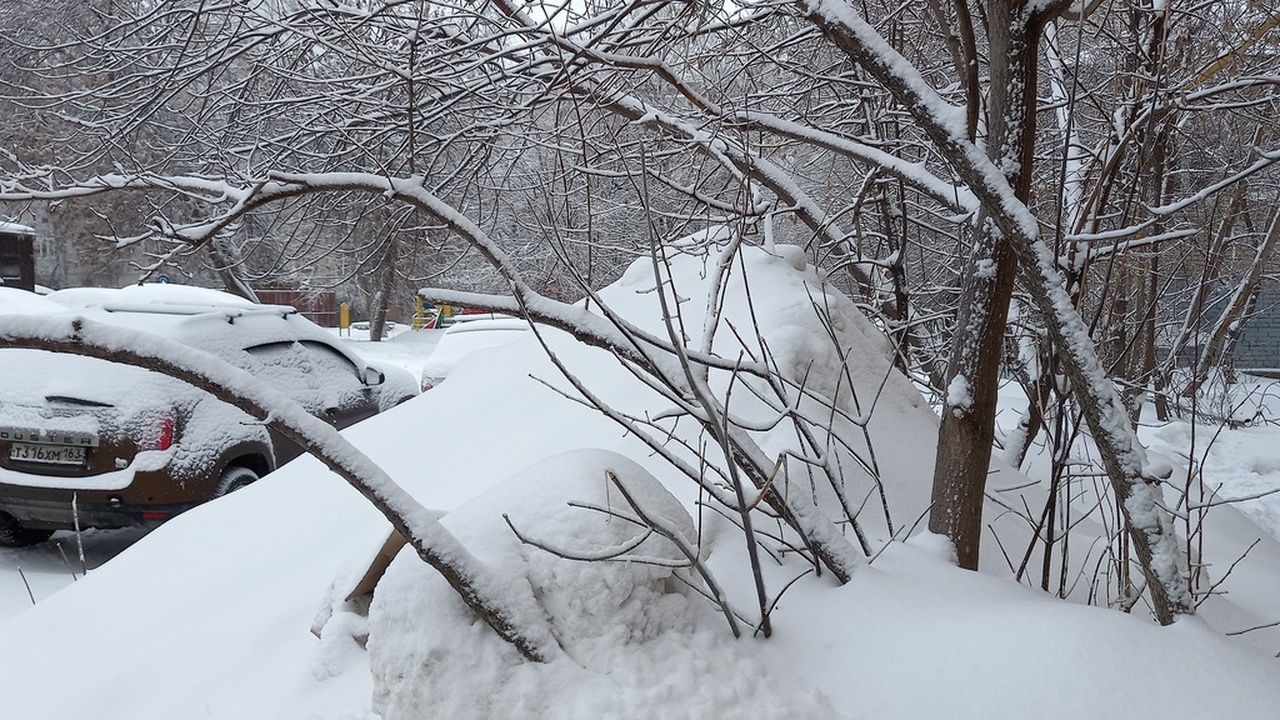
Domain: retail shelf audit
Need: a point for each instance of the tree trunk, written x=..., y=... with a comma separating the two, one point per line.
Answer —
x=382, y=298
x=968, y=420
x=227, y=263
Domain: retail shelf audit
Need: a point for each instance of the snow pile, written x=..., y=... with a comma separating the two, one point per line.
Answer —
x=210, y=615
x=773, y=308
x=1239, y=467
x=638, y=642
x=882, y=613
x=912, y=636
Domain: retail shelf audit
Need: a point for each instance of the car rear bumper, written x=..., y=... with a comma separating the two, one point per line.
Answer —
x=61, y=513
x=64, y=509
x=79, y=479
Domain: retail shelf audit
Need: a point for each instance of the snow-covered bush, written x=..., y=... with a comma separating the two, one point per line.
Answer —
x=638, y=640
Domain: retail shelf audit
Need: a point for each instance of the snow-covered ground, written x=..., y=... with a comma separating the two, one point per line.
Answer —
x=403, y=346
x=212, y=614
x=36, y=573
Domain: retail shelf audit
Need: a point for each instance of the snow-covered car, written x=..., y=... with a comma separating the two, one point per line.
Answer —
x=86, y=442
x=467, y=334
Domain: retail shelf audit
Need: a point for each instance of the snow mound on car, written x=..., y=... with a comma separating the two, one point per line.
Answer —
x=637, y=640
x=153, y=294
x=22, y=302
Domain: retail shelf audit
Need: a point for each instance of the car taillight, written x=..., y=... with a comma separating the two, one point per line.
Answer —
x=159, y=435
x=166, y=433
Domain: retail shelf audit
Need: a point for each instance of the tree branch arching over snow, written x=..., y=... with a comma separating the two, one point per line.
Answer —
x=508, y=607
x=1139, y=494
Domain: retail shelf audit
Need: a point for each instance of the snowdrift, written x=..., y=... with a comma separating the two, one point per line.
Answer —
x=210, y=615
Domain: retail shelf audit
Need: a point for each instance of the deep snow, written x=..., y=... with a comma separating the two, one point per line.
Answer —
x=210, y=615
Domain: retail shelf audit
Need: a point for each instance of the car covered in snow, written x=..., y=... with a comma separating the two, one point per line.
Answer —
x=467, y=334
x=86, y=442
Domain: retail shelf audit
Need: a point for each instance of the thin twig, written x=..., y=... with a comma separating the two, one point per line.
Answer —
x=24, y=582
x=1227, y=574
x=683, y=546
x=610, y=553
x=65, y=561
x=75, y=515
x=764, y=489
x=1235, y=633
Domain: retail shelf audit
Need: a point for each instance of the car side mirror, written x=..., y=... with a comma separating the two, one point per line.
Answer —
x=372, y=376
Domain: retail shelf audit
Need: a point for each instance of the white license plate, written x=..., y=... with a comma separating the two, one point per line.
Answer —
x=51, y=454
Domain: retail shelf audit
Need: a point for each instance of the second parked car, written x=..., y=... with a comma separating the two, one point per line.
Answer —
x=467, y=334
x=91, y=443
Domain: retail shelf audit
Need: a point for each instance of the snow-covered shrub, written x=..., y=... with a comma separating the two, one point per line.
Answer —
x=638, y=640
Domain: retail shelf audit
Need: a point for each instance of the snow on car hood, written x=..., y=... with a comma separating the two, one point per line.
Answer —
x=15, y=300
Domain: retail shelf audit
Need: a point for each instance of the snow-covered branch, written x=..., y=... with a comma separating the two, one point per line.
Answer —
x=1137, y=490
x=508, y=607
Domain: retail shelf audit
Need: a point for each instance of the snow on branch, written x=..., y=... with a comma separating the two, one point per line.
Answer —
x=1138, y=490
x=951, y=195
x=506, y=606
x=669, y=368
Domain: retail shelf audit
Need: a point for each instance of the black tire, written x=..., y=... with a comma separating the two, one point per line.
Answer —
x=234, y=478
x=14, y=535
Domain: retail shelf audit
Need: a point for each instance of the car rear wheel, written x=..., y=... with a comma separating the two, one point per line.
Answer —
x=234, y=478
x=14, y=535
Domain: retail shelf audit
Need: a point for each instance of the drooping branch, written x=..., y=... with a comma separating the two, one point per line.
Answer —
x=515, y=616
x=654, y=354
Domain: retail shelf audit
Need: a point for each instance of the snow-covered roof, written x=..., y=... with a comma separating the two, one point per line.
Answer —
x=212, y=320
x=163, y=295
x=18, y=301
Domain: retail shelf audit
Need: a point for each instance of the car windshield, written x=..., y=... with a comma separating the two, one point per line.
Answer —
x=316, y=374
